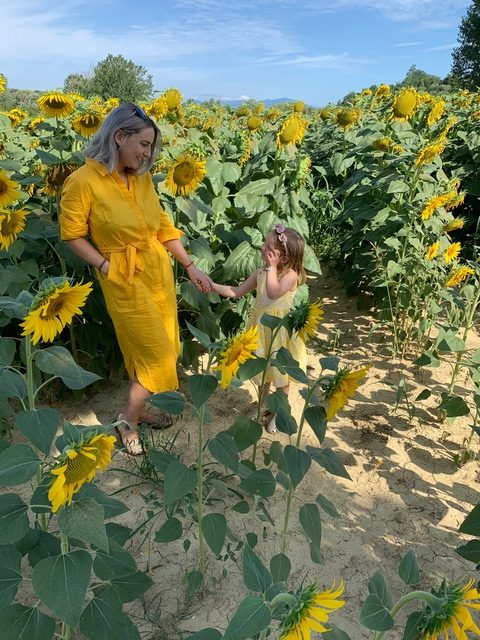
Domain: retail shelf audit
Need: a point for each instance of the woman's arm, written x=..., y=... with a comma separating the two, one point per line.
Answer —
x=87, y=252
x=227, y=291
x=199, y=278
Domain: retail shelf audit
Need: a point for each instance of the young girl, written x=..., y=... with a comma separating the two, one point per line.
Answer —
x=276, y=283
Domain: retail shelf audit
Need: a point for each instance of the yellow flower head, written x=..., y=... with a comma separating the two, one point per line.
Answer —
x=430, y=152
x=173, y=99
x=86, y=124
x=456, y=223
x=15, y=120
x=454, y=617
x=366, y=92
x=451, y=123
x=56, y=104
x=260, y=108
x=342, y=387
x=185, y=175
x=19, y=113
x=3, y=83
x=433, y=251
x=458, y=276
x=436, y=112
x=291, y=131
x=80, y=465
x=55, y=176
x=404, y=104
x=53, y=309
x=239, y=349
x=242, y=111
x=247, y=149
x=9, y=191
x=438, y=201
x=158, y=108
x=76, y=97
x=34, y=122
x=273, y=114
x=11, y=224
x=299, y=106
x=111, y=104
x=382, y=90
x=348, y=117
x=311, y=613
x=305, y=319
x=383, y=144
x=325, y=113
x=254, y=123
x=452, y=252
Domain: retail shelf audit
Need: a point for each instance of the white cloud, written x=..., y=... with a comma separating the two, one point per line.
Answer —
x=442, y=47
x=324, y=61
x=406, y=44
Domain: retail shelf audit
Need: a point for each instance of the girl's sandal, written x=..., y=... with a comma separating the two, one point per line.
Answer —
x=131, y=446
x=159, y=420
x=268, y=421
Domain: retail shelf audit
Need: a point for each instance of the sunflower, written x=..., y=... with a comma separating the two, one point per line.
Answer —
x=347, y=117
x=456, y=223
x=3, y=83
x=452, y=252
x=404, y=104
x=53, y=309
x=254, y=123
x=291, y=131
x=15, y=120
x=11, y=224
x=9, y=191
x=158, y=108
x=302, y=172
x=34, y=122
x=431, y=151
x=366, y=92
x=341, y=388
x=383, y=144
x=242, y=111
x=111, y=104
x=305, y=319
x=273, y=114
x=185, y=175
x=238, y=350
x=76, y=97
x=173, y=99
x=55, y=176
x=86, y=124
x=80, y=464
x=193, y=122
x=260, y=108
x=299, y=106
x=436, y=202
x=433, y=250
x=311, y=612
x=56, y=104
x=325, y=113
x=247, y=149
x=436, y=112
x=454, y=616
x=382, y=90
x=458, y=276
x=19, y=113
x=451, y=123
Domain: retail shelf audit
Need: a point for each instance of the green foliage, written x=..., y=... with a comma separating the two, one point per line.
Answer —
x=117, y=77
x=466, y=57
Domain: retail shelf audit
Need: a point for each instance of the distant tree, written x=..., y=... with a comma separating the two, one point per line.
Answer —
x=423, y=81
x=21, y=98
x=117, y=77
x=466, y=57
x=78, y=83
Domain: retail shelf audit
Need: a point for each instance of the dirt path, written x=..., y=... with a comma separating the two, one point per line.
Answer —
x=405, y=491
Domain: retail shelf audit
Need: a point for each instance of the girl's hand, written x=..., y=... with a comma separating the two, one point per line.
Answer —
x=273, y=257
x=201, y=281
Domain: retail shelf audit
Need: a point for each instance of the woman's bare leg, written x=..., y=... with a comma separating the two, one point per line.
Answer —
x=137, y=394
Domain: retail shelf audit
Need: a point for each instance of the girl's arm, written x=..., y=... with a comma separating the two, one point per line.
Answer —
x=82, y=248
x=277, y=288
x=227, y=291
x=199, y=278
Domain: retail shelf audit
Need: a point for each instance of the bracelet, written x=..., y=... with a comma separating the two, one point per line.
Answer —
x=101, y=264
x=269, y=268
x=187, y=266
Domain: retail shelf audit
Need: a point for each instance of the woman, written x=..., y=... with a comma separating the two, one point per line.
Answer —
x=112, y=200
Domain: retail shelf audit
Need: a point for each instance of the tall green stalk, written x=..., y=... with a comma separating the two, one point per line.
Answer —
x=67, y=631
x=466, y=331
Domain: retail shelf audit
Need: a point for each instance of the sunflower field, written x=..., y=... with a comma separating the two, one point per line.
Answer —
x=384, y=190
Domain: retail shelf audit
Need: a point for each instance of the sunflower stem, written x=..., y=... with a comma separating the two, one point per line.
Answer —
x=201, y=541
x=466, y=331
x=429, y=598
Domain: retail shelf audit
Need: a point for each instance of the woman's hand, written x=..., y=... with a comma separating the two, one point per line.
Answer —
x=105, y=268
x=200, y=279
x=273, y=257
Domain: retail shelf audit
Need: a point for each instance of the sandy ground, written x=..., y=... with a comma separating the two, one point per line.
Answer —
x=405, y=491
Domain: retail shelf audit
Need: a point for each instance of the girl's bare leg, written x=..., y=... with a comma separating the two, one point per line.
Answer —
x=137, y=394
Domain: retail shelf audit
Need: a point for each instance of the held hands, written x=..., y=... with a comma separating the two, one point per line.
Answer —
x=201, y=281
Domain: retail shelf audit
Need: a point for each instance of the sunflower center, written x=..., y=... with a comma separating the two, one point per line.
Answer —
x=3, y=187
x=56, y=103
x=233, y=354
x=80, y=467
x=184, y=174
x=54, y=307
x=8, y=226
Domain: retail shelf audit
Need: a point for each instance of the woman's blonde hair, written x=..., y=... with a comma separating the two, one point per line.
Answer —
x=291, y=246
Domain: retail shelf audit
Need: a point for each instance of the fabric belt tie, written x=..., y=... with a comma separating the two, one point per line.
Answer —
x=130, y=262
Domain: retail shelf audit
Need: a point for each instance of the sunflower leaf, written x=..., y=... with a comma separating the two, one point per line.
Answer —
x=255, y=574
x=18, y=464
x=85, y=521
x=39, y=426
x=103, y=618
x=201, y=388
x=374, y=615
x=24, y=623
x=58, y=361
x=214, y=528
x=251, y=617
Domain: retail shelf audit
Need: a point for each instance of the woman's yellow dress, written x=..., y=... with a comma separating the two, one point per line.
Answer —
x=128, y=226
x=279, y=308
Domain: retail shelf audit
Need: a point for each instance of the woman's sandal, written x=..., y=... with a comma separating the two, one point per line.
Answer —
x=268, y=421
x=132, y=446
x=158, y=420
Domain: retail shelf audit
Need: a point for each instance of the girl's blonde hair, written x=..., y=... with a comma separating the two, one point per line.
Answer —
x=291, y=246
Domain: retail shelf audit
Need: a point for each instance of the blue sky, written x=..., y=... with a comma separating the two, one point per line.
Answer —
x=314, y=50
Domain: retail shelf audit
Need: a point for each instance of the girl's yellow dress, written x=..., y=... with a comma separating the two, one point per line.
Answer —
x=279, y=308
x=128, y=226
